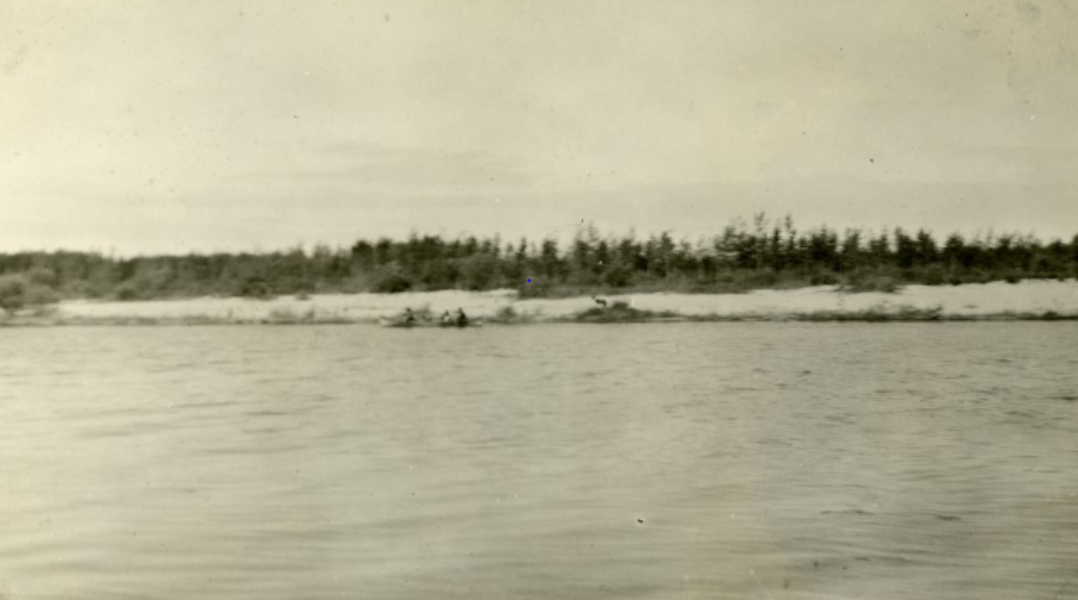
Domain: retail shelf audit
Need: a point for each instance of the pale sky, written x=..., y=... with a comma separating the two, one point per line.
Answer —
x=172, y=126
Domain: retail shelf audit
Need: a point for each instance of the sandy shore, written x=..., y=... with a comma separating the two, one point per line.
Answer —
x=1028, y=299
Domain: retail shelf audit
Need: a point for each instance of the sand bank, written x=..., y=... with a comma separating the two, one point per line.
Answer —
x=1027, y=299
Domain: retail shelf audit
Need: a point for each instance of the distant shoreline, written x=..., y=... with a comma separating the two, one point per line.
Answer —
x=998, y=301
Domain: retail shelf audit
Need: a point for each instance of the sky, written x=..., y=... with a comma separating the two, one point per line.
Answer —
x=139, y=127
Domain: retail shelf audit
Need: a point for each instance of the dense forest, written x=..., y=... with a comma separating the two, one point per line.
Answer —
x=743, y=256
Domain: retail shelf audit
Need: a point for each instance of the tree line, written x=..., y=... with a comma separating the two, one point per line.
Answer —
x=761, y=253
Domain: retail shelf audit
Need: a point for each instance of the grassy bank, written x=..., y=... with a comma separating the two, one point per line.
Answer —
x=591, y=316
x=994, y=302
x=903, y=314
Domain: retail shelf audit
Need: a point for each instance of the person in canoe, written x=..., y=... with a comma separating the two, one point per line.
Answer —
x=409, y=317
x=462, y=319
x=447, y=319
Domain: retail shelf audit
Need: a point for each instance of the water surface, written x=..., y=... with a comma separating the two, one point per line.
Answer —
x=561, y=461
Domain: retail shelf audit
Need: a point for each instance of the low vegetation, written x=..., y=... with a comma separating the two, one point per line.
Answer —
x=763, y=254
x=25, y=290
x=903, y=314
x=622, y=312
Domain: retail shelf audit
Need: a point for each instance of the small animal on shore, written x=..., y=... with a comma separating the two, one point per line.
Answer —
x=599, y=301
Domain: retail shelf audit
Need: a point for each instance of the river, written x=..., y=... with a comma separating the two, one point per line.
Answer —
x=660, y=461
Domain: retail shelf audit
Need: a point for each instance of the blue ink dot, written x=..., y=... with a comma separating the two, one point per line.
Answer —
x=529, y=281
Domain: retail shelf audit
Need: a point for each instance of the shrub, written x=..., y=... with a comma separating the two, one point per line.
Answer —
x=42, y=277
x=13, y=292
x=823, y=279
x=40, y=295
x=934, y=275
x=506, y=315
x=392, y=284
x=480, y=272
x=620, y=312
x=127, y=291
x=617, y=276
x=18, y=291
x=254, y=287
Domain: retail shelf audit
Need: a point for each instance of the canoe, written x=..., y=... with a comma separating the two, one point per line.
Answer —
x=455, y=325
x=396, y=324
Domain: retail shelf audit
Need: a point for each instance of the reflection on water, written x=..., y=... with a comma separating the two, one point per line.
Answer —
x=652, y=461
